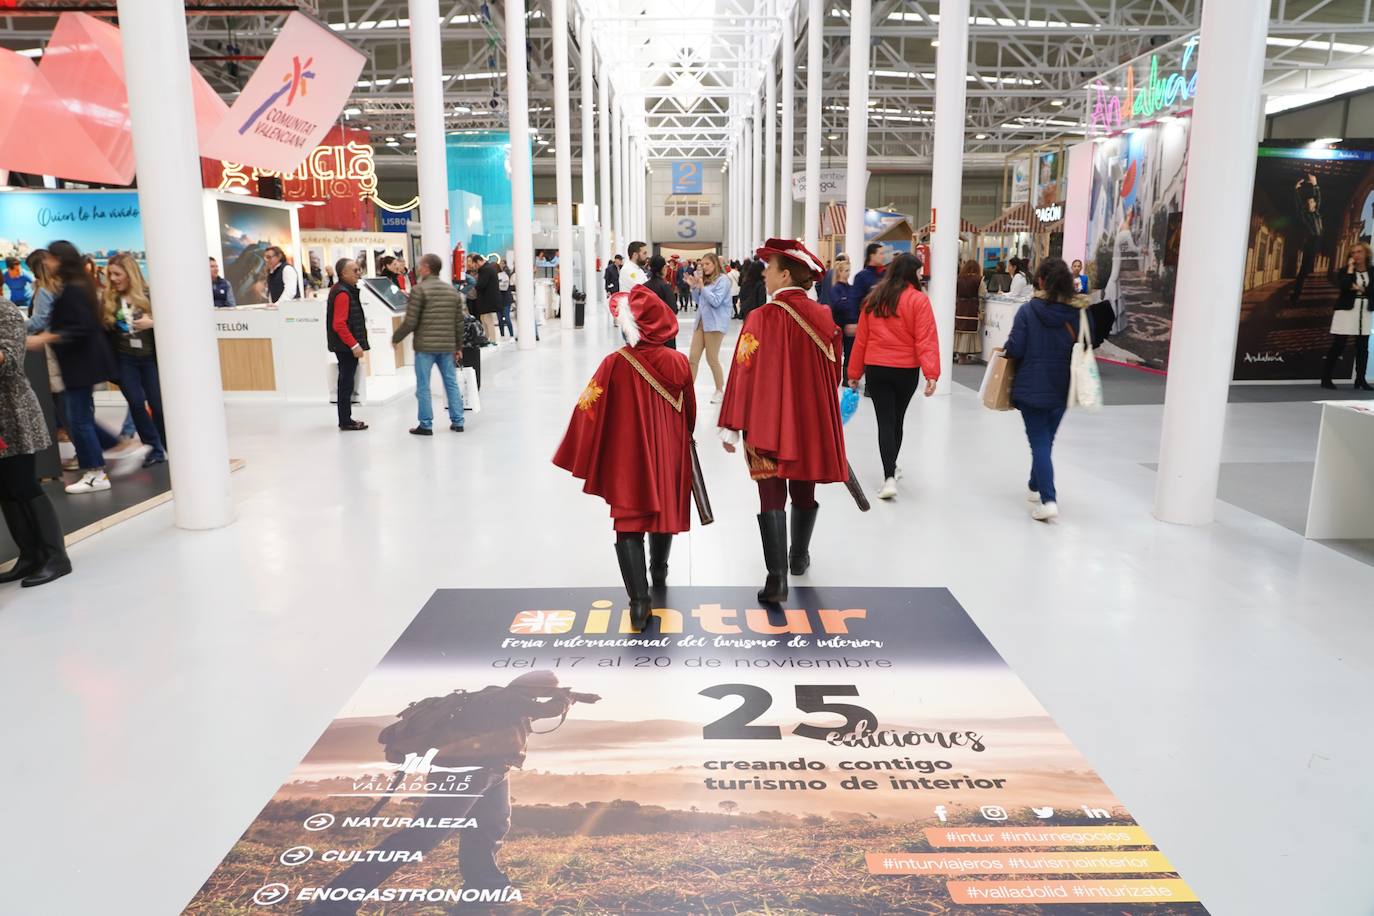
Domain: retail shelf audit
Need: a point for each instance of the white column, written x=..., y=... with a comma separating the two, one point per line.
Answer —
x=770, y=151
x=617, y=177
x=431, y=153
x=163, y=120
x=760, y=178
x=591, y=279
x=947, y=179
x=632, y=170
x=603, y=110
x=815, y=85
x=521, y=171
x=1217, y=221
x=856, y=163
x=789, y=77
x=562, y=160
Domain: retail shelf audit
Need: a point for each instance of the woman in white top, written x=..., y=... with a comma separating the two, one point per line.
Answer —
x=1351, y=318
x=733, y=275
x=1020, y=282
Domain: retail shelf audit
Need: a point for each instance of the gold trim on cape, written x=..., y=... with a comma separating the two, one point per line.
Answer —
x=826, y=348
x=657, y=386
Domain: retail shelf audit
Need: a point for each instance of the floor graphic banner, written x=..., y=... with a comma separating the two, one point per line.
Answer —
x=865, y=751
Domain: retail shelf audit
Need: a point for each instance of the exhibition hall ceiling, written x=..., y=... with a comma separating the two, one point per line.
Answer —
x=695, y=66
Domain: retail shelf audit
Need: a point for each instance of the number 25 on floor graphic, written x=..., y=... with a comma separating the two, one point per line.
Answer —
x=810, y=698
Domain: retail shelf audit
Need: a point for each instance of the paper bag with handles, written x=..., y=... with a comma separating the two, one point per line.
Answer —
x=997, y=381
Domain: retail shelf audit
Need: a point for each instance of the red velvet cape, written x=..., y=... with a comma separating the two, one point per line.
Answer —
x=630, y=445
x=783, y=392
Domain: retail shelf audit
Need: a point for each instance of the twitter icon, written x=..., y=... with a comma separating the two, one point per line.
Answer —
x=1043, y=813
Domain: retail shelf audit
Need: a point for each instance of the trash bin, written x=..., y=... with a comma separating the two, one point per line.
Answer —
x=579, y=307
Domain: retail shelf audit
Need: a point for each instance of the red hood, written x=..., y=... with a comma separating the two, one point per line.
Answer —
x=655, y=322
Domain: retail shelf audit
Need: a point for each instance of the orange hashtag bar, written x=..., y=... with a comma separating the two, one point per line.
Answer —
x=1157, y=890
x=1002, y=837
x=1018, y=863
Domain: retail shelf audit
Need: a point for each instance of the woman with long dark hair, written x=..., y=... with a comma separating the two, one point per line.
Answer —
x=752, y=291
x=1042, y=338
x=896, y=342
x=77, y=336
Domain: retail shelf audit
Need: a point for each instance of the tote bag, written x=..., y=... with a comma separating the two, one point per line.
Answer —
x=467, y=383
x=1085, y=382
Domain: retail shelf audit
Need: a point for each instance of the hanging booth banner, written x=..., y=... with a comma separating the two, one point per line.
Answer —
x=866, y=750
x=1135, y=221
x=687, y=177
x=1312, y=205
x=1020, y=181
x=833, y=182
x=292, y=99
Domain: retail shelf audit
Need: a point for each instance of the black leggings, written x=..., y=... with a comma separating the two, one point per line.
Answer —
x=892, y=390
x=1338, y=347
x=19, y=478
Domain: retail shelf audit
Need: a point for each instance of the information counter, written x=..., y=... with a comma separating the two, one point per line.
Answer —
x=1342, y=502
x=998, y=313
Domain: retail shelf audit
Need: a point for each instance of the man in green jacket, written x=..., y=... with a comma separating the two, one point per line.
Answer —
x=435, y=313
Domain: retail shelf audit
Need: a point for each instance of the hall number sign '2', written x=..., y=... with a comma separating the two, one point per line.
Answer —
x=1112, y=107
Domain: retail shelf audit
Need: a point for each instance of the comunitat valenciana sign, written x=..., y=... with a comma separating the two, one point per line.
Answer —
x=1148, y=87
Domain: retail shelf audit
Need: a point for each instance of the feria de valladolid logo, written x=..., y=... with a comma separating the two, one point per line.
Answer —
x=293, y=84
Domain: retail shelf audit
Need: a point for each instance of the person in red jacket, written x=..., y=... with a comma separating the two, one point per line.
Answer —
x=630, y=438
x=896, y=343
x=783, y=398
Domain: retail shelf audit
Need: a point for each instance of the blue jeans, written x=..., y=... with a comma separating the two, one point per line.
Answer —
x=138, y=380
x=1041, y=425
x=89, y=438
x=503, y=321
x=424, y=364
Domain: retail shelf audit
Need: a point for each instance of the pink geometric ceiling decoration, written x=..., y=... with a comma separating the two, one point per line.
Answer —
x=69, y=115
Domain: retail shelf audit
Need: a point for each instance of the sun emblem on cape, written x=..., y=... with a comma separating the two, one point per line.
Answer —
x=590, y=395
x=748, y=346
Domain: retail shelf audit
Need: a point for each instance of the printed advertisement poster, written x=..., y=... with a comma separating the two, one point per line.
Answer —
x=98, y=223
x=1020, y=181
x=866, y=750
x=1049, y=173
x=247, y=230
x=1311, y=206
x=1134, y=223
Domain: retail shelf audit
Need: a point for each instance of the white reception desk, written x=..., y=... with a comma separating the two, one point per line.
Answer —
x=998, y=313
x=1342, y=504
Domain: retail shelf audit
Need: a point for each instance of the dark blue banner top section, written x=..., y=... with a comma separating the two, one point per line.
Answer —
x=915, y=625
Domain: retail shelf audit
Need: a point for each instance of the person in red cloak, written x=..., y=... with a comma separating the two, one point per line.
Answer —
x=630, y=439
x=783, y=397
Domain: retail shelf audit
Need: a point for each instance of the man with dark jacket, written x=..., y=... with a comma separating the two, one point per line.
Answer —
x=875, y=263
x=488, y=286
x=613, y=275
x=346, y=335
x=436, y=315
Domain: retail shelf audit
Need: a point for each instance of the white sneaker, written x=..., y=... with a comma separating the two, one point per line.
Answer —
x=90, y=482
x=1045, y=511
x=1033, y=497
x=897, y=473
x=889, y=489
x=717, y=397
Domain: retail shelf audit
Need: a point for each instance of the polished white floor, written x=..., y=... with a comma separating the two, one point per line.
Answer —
x=1219, y=678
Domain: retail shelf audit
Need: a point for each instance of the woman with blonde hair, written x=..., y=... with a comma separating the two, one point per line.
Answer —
x=711, y=293
x=128, y=317
x=1352, y=318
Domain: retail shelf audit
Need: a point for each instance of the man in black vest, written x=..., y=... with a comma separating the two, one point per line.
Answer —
x=346, y=332
x=282, y=280
x=220, y=289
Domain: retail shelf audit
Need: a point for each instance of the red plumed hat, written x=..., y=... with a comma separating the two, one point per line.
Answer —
x=643, y=316
x=793, y=250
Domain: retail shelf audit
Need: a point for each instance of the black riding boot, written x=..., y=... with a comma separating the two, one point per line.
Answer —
x=630, y=553
x=1362, y=364
x=1329, y=364
x=659, y=546
x=54, y=543
x=773, y=533
x=26, y=536
x=803, y=523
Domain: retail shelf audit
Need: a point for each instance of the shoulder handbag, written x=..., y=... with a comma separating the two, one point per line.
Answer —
x=1085, y=382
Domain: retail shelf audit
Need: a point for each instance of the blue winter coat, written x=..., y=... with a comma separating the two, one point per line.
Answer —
x=1041, y=341
x=843, y=305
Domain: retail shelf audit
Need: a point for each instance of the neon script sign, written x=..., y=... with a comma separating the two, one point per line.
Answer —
x=347, y=169
x=1110, y=112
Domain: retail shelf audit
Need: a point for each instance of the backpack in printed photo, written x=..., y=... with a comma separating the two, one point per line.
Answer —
x=437, y=721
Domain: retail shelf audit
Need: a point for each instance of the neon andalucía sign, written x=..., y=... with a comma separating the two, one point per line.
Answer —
x=1111, y=110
